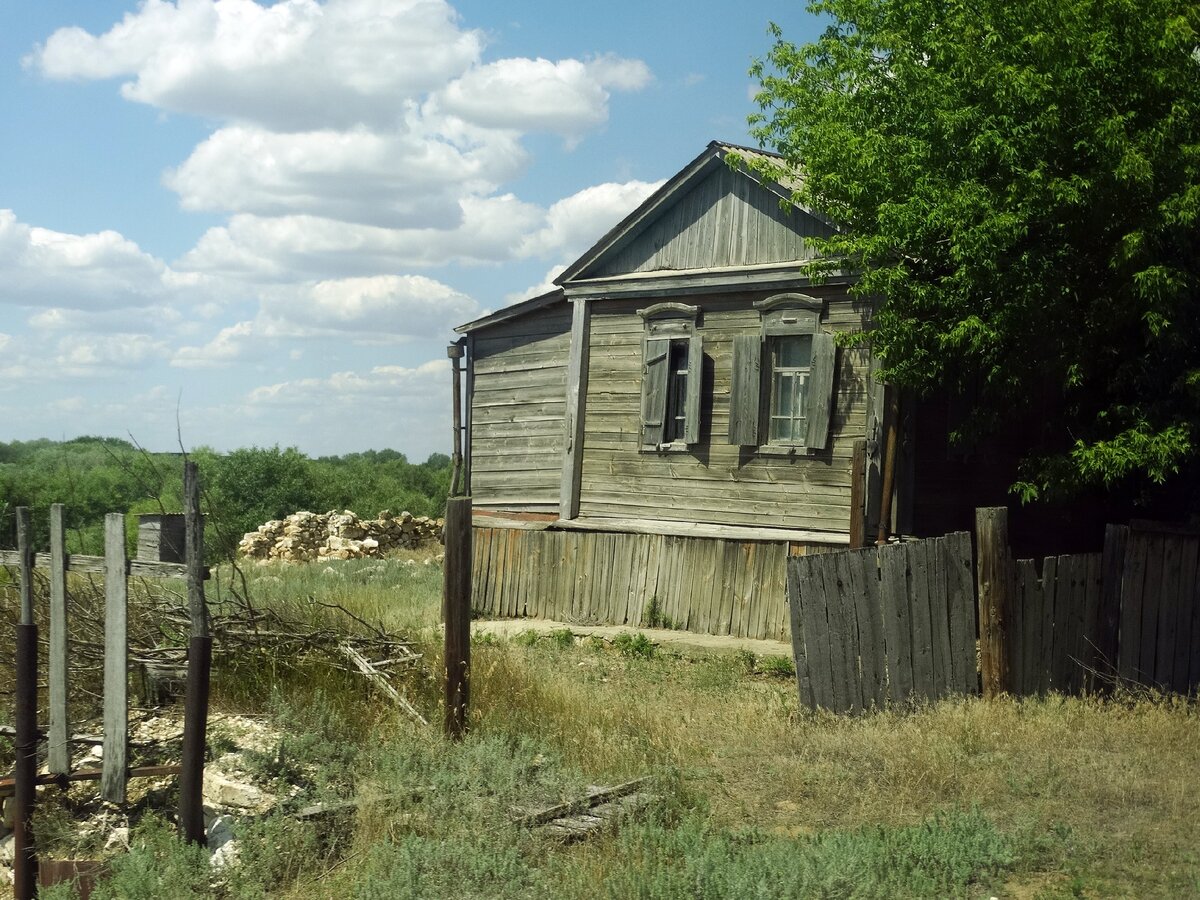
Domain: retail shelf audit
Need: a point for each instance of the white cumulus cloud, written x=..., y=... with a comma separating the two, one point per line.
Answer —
x=401, y=179
x=292, y=65
x=566, y=97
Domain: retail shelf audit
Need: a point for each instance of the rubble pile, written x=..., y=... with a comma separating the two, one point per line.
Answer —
x=307, y=536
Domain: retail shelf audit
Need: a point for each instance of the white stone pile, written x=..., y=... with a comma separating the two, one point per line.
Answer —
x=307, y=536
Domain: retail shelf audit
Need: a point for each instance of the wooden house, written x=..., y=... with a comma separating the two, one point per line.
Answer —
x=647, y=443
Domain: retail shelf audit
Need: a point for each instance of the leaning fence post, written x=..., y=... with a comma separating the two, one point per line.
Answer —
x=994, y=578
x=25, y=770
x=195, y=716
x=116, y=665
x=456, y=608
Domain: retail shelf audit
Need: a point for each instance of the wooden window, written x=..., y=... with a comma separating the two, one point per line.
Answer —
x=791, y=358
x=782, y=384
x=672, y=366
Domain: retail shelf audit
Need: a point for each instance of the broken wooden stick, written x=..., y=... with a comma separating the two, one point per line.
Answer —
x=379, y=681
x=594, y=797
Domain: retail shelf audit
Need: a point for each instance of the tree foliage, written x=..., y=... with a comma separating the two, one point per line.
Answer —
x=242, y=489
x=1020, y=181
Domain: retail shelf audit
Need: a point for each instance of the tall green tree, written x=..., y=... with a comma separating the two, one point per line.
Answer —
x=1019, y=180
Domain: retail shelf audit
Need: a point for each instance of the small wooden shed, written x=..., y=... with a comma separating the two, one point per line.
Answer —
x=648, y=442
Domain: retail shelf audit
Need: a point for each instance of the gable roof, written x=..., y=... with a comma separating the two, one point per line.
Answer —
x=709, y=215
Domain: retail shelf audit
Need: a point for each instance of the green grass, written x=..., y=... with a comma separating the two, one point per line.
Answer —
x=756, y=797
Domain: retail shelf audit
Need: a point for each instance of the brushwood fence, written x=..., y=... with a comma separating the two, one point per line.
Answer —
x=901, y=622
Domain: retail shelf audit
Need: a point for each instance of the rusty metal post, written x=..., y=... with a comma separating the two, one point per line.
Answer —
x=456, y=606
x=25, y=863
x=195, y=715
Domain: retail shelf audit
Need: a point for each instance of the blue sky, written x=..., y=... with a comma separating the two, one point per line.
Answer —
x=258, y=223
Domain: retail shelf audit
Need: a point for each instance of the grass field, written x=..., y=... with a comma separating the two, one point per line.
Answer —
x=1058, y=797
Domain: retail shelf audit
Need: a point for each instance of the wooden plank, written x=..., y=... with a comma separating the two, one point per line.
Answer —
x=815, y=624
x=483, y=562
x=1151, y=607
x=1194, y=643
x=893, y=599
x=869, y=562
x=858, y=495
x=640, y=561
x=1026, y=608
x=1189, y=558
x=1168, y=611
x=834, y=573
x=960, y=596
x=920, y=560
x=95, y=565
x=708, y=586
x=621, y=571
x=575, y=412
x=731, y=557
x=747, y=598
x=799, y=649
x=777, y=622
x=116, y=666
x=1090, y=635
x=863, y=577
x=1060, y=655
x=1133, y=587
x=1050, y=584
x=1116, y=539
x=939, y=618
x=58, y=750
x=1073, y=634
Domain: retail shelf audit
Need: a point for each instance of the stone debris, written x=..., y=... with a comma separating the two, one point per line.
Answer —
x=231, y=795
x=307, y=536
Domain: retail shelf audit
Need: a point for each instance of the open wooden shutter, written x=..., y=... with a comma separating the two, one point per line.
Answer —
x=744, y=390
x=654, y=391
x=820, y=390
x=695, y=377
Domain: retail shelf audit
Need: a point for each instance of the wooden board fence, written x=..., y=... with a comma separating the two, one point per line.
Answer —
x=707, y=585
x=1056, y=628
x=885, y=624
x=1159, y=615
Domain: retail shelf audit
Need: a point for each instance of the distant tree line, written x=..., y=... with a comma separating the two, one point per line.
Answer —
x=242, y=489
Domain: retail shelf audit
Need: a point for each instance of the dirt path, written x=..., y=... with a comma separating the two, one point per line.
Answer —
x=682, y=639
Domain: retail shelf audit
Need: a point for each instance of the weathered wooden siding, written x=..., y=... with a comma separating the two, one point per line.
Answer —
x=725, y=220
x=716, y=482
x=705, y=585
x=517, y=408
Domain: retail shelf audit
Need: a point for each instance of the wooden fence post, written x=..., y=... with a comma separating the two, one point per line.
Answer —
x=994, y=578
x=25, y=769
x=858, y=495
x=116, y=660
x=58, y=754
x=195, y=716
x=456, y=608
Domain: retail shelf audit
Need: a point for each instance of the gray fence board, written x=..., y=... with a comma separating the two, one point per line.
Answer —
x=893, y=599
x=922, y=640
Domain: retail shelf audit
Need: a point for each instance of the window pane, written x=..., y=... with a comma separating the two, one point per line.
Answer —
x=794, y=351
x=677, y=377
x=791, y=356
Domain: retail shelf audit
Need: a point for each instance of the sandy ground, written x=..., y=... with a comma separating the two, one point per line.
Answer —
x=684, y=640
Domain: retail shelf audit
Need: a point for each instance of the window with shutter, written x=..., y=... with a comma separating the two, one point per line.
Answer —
x=781, y=393
x=672, y=366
